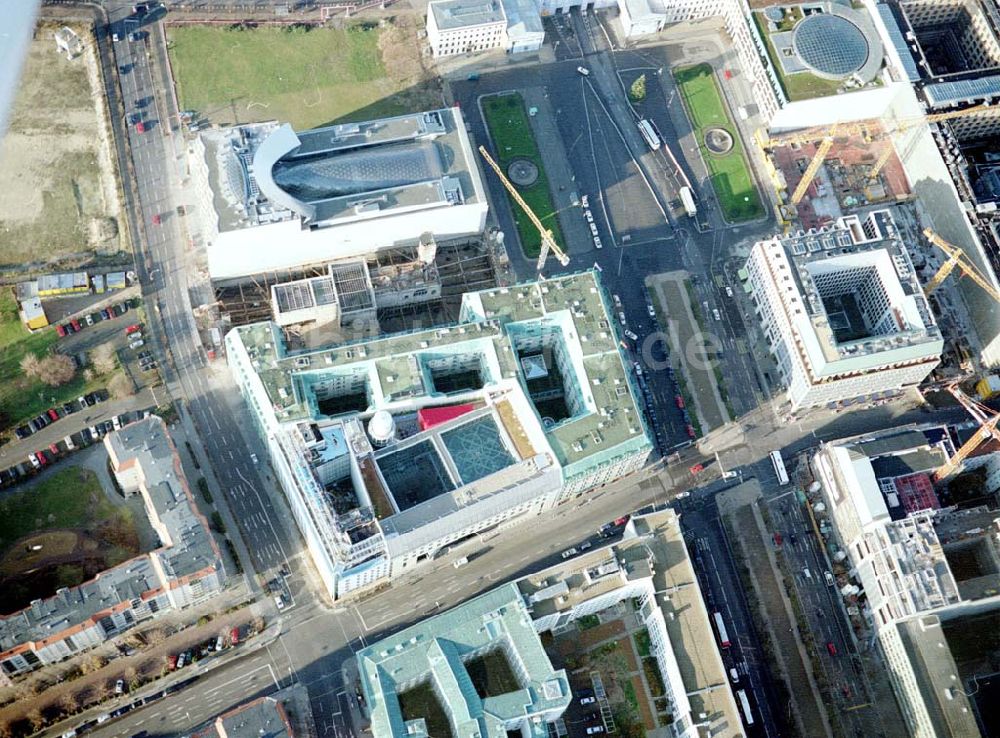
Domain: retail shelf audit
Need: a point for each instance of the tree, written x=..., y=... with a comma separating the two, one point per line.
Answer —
x=104, y=358
x=29, y=365
x=132, y=678
x=638, y=90
x=92, y=663
x=36, y=719
x=121, y=386
x=56, y=370
x=69, y=702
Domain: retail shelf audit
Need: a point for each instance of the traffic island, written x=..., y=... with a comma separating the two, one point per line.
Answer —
x=517, y=154
x=728, y=169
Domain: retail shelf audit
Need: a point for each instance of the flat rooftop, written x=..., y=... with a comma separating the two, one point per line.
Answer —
x=393, y=367
x=438, y=648
x=452, y=14
x=853, y=299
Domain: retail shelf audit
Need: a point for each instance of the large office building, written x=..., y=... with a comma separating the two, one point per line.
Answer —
x=278, y=200
x=185, y=569
x=927, y=574
x=843, y=311
x=644, y=583
x=390, y=449
x=470, y=26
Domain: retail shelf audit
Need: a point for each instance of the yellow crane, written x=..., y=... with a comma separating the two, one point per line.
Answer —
x=988, y=420
x=864, y=127
x=957, y=258
x=548, y=242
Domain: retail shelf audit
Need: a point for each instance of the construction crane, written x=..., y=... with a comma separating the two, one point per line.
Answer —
x=817, y=161
x=548, y=242
x=957, y=258
x=864, y=127
x=988, y=420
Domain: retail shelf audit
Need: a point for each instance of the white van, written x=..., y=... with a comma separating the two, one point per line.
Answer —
x=461, y=562
x=829, y=578
x=807, y=574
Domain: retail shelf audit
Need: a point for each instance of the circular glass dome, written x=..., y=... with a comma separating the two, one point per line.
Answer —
x=831, y=46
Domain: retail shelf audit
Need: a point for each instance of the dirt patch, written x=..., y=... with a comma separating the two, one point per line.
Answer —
x=604, y=631
x=60, y=203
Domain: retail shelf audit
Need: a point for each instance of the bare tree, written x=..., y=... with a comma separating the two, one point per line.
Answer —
x=104, y=358
x=92, y=663
x=69, y=702
x=132, y=678
x=6, y=731
x=56, y=370
x=121, y=386
x=36, y=719
x=29, y=365
x=155, y=636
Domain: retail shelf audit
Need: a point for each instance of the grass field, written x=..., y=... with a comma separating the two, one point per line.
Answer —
x=306, y=77
x=80, y=531
x=730, y=175
x=57, y=177
x=22, y=397
x=511, y=133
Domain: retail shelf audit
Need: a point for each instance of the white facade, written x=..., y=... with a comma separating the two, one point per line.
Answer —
x=386, y=526
x=448, y=33
x=799, y=285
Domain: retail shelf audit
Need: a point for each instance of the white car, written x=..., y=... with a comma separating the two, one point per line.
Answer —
x=618, y=300
x=595, y=729
x=588, y=700
x=593, y=229
x=136, y=344
x=279, y=601
x=253, y=458
x=589, y=216
x=584, y=71
x=597, y=242
x=631, y=335
x=34, y=461
x=621, y=317
x=651, y=310
x=116, y=422
x=584, y=202
x=569, y=552
x=716, y=314
x=729, y=291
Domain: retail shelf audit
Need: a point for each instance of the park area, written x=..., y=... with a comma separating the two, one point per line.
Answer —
x=60, y=203
x=513, y=140
x=59, y=532
x=302, y=75
x=729, y=172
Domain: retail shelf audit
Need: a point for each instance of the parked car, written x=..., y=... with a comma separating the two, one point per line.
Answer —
x=88, y=319
x=61, y=330
x=831, y=648
x=569, y=552
x=137, y=343
x=116, y=422
x=679, y=401
x=156, y=219
x=76, y=325
x=595, y=729
x=132, y=329
x=68, y=408
x=54, y=449
x=53, y=414
x=690, y=431
x=34, y=461
x=22, y=432
x=279, y=601
x=42, y=458
x=588, y=700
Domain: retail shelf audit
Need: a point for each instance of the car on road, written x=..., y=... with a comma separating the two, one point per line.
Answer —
x=831, y=648
x=734, y=675
x=729, y=291
x=651, y=310
x=156, y=219
x=585, y=545
x=460, y=562
x=140, y=127
x=569, y=552
x=253, y=458
x=584, y=71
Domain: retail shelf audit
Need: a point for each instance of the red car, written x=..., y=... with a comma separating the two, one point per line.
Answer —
x=234, y=636
x=61, y=331
x=831, y=648
x=172, y=662
x=52, y=413
x=132, y=329
x=75, y=324
x=690, y=431
x=54, y=449
x=777, y=539
x=622, y=520
x=680, y=401
x=42, y=459
x=156, y=219
x=140, y=127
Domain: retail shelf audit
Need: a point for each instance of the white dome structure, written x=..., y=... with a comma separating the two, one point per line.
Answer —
x=382, y=428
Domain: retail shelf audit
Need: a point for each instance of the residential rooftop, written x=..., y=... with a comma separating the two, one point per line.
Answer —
x=187, y=547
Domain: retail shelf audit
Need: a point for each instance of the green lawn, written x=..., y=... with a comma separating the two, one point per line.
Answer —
x=511, y=134
x=730, y=175
x=69, y=498
x=303, y=77
x=22, y=397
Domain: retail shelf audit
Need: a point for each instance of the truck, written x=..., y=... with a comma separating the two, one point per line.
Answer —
x=687, y=199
